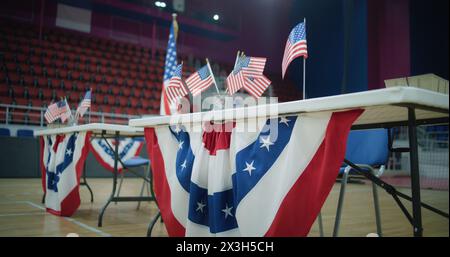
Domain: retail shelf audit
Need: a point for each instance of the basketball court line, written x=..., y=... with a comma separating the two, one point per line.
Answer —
x=87, y=227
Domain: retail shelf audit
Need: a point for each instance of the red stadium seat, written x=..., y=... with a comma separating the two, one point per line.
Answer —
x=126, y=91
x=3, y=90
x=137, y=92
x=108, y=80
x=116, y=90
x=36, y=103
x=18, y=91
x=106, y=108
x=21, y=101
x=103, y=88
x=6, y=100
x=148, y=94
x=123, y=101
x=51, y=72
x=33, y=93
x=46, y=94
x=28, y=80
x=134, y=101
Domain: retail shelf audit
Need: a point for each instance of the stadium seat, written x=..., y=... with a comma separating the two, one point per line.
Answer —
x=5, y=132
x=25, y=133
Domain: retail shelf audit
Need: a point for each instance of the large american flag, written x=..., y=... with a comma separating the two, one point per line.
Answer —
x=199, y=81
x=52, y=112
x=176, y=88
x=169, y=68
x=295, y=46
x=84, y=104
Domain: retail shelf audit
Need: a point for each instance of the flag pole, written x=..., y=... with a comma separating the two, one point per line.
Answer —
x=212, y=75
x=90, y=109
x=304, y=67
x=237, y=58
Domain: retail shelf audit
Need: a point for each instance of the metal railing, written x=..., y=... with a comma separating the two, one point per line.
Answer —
x=27, y=115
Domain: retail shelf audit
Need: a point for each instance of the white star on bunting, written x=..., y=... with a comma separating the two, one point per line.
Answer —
x=266, y=143
x=200, y=206
x=285, y=120
x=227, y=211
x=183, y=166
x=249, y=167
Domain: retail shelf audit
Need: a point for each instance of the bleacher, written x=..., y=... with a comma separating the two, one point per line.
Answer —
x=126, y=78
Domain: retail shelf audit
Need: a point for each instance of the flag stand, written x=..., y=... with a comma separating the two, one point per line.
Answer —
x=304, y=67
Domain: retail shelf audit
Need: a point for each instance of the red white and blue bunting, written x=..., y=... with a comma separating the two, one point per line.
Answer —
x=128, y=148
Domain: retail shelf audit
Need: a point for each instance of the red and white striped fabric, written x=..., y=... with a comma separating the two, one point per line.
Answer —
x=199, y=81
x=235, y=81
x=66, y=113
x=176, y=88
x=52, y=113
x=256, y=86
x=62, y=161
x=266, y=183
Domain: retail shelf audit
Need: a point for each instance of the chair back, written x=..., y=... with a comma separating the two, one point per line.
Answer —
x=5, y=132
x=25, y=133
x=368, y=147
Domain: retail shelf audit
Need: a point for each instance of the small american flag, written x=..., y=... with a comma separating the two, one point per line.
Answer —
x=52, y=113
x=235, y=81
x=176, y=88
x=84, y=104
x=64, y=110
x=252, y=66
x=295, y=46
x=256, y=85
x=199, y=81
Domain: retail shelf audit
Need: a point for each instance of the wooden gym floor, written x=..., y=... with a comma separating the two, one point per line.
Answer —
x=22, y=214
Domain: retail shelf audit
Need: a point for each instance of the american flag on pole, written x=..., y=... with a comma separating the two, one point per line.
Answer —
x=199, y=81
x=248, y=74
x=256, y=85
x=84, y=104
x=52, y=113
x=65, y=110
x=252, y=66
x=169, y=68
x=235, y=81
x=295, y=46
x=176, y=88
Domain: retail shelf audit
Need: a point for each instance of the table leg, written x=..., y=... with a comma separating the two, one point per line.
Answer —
x=116, y=158
x=152, y=224
x=86, y=184
x=415, y=176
